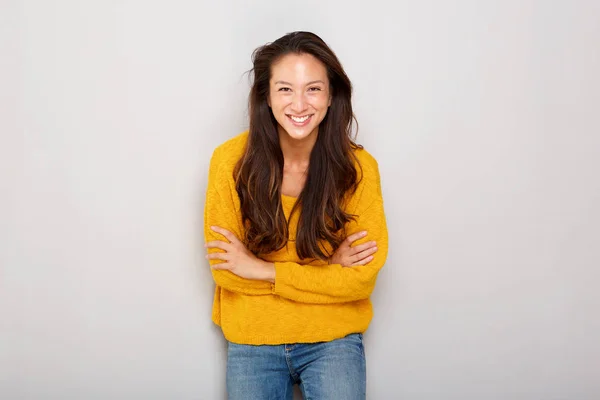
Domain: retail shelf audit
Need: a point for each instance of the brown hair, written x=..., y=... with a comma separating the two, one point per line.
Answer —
x=331, y=173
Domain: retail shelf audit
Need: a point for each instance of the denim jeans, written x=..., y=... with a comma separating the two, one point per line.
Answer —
x=325, y=371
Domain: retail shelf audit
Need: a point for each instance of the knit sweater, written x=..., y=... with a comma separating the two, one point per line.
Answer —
x=309, y=301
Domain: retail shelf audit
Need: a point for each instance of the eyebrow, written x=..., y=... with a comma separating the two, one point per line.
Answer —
x=309, y=83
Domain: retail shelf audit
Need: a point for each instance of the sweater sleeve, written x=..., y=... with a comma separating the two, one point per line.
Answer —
x=334, y=283
x=219, y=210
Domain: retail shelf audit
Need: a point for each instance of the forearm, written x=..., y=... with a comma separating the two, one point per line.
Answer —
x=334, y=283
x=219, y=210
x=229, y=281
x=324, y=284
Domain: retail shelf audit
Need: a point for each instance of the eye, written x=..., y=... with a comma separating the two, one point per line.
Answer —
x=284, y=89
x=314, y=89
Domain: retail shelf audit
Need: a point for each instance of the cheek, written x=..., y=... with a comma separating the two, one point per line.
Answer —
x=320, y=102
x=277, y=103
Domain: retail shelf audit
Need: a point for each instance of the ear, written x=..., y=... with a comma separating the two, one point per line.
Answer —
x=329, y=103
x=269, y=101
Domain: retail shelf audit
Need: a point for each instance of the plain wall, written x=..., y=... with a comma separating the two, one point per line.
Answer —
x=484, y=117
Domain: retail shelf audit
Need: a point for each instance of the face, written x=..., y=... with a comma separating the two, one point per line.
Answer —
x=299, y=95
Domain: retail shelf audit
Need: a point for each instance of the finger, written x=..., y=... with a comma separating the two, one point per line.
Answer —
x=363, y=261
x=228, y=235
x=355, y=236
x=221, y=266
x=218, y=256
x=218, y=244
x=366, y=253
x=362, y=247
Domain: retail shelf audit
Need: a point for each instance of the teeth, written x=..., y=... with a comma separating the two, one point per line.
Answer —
x=302, y=119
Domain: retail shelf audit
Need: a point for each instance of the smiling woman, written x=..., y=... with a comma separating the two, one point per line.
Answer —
x=296, y=231
x=298, y=102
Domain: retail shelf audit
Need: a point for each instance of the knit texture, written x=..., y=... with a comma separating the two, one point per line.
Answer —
x=309, y=301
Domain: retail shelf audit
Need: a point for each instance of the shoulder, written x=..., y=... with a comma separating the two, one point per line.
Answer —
x=369, y=168
x=231, y=150
x=369, y=186
x=223, y=161
x=227, y=154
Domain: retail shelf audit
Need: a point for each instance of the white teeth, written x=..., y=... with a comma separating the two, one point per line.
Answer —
x=302, y=119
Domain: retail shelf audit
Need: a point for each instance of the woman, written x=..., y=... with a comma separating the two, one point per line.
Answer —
x=280, y=199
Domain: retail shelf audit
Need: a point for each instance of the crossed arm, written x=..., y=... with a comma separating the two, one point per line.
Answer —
x=350, y=275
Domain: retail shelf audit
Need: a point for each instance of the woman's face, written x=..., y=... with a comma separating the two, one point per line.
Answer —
x=299, y=94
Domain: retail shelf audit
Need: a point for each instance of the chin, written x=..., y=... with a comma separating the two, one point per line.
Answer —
x=298, y=134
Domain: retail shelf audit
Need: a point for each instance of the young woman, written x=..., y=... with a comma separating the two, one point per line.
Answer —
x=295, y=231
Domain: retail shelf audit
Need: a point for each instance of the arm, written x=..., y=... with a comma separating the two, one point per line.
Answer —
x=334, y=283
x=219, y=210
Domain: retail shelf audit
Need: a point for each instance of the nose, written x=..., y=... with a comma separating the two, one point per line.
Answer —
x=298, y=103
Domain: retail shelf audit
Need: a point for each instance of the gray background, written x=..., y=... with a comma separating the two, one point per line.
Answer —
x=484, y=117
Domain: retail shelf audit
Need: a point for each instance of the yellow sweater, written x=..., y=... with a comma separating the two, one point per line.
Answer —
x=308, y=302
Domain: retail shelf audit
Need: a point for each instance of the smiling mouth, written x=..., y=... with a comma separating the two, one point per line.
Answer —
x=299, y=120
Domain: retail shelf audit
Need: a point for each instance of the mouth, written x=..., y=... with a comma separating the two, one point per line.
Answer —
x=299, y=120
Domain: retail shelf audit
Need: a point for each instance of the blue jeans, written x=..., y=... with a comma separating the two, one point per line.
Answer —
x=325, y=371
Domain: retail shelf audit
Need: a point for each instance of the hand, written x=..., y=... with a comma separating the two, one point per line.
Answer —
x=238, y=259
x=349, y=256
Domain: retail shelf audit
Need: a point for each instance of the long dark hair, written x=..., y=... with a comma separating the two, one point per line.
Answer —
x=332, y=175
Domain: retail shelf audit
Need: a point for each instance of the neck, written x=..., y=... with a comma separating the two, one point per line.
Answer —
x=296, y=153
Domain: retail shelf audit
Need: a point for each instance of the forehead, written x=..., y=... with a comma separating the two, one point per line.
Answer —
x=298, y=68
